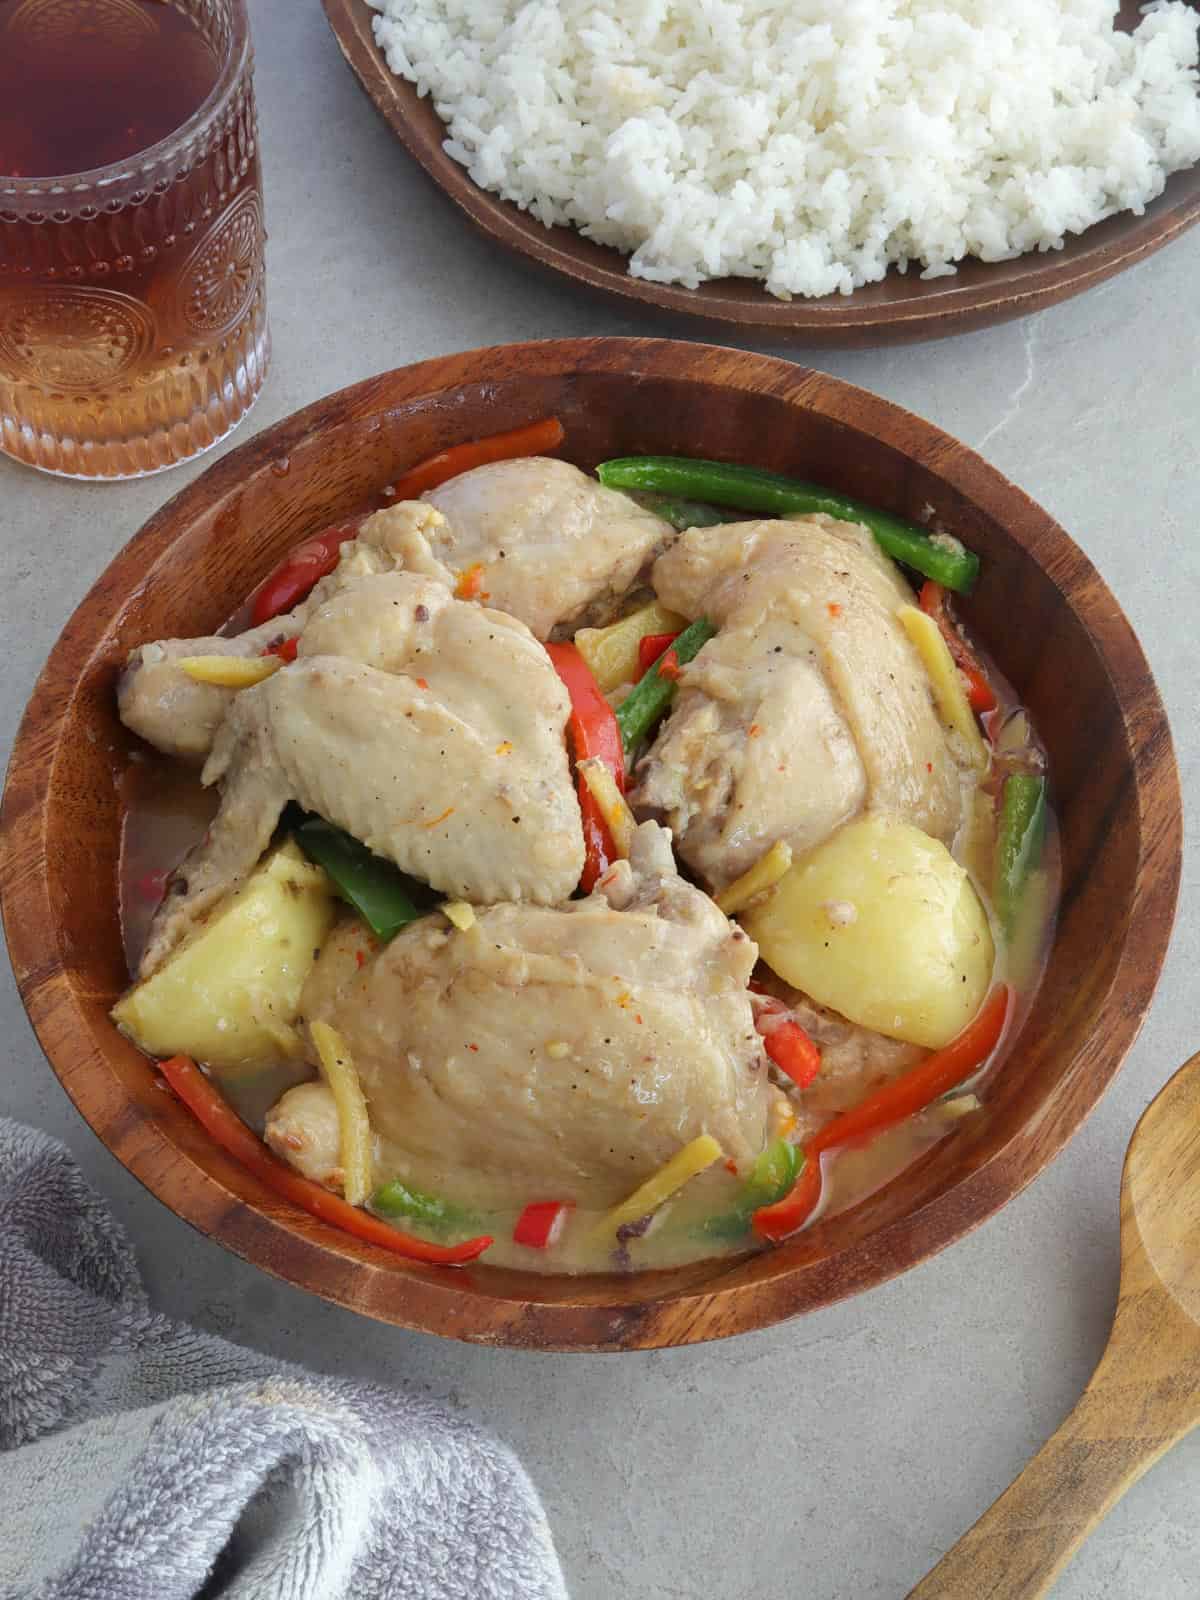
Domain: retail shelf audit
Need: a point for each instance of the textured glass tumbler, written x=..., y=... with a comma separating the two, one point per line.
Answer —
x=133, y=318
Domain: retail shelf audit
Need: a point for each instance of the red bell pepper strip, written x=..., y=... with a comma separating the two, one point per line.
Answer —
x=791, y=1049
x=218, y=1118
x=299, y=572
x=535, y=439
x=980, y=694
x=593, y=727
x=650, y=647
x=911, y=1092
x=592, y=731
x=777, y=1221
x=285, y=649
x=793, y=1052
x=541, y=1223
x=922, y=1084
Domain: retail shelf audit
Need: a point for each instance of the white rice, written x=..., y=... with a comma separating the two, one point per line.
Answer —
x=809, y=143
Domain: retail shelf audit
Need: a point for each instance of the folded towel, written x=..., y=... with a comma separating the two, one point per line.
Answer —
x=146, y=1461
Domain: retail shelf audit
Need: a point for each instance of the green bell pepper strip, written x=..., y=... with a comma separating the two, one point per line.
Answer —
x=771, y=1177
x=752, y=489
x=396, y=1199
x=653, y=693
x=773, y=1173
x=386, y=898
x=1019, y=843
x=725, y=1225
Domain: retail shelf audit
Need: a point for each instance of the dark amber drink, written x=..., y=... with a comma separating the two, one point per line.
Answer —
x=133, y=327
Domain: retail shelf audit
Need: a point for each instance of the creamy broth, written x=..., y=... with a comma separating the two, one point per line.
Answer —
x=678, y=1232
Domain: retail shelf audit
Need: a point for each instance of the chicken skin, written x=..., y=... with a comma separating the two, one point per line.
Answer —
x=430, y=729
x=536, y=538
x=565, y=1052
x=556, y=548
x=808, y=707
x=303, y=1128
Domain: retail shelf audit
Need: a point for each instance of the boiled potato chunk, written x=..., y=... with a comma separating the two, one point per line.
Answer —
x=229, y=996
x=882, y=924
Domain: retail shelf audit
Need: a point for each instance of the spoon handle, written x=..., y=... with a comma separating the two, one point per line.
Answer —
x=1018, y=1547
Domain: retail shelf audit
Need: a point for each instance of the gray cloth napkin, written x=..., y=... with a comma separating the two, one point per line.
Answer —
x=146, y=1461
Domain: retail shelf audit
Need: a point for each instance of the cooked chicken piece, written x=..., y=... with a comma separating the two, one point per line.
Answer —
x=430, y=729
x=171, y=711
x=809, y=706
x=303, y=1128
x=179, y=716
x=561, y=1053
x=348, y=948
x=535, y=537
x=556, y=546
x=550, y=545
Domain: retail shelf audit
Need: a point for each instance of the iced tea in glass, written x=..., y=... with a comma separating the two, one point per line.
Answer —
x=133, y=322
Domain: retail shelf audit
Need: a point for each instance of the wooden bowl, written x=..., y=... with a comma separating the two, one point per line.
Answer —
x=1041, y=607
x=899, y=310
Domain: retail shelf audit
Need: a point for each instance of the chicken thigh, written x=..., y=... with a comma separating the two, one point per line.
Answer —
x=430, y=729
x=563, y=1053
x=557, y=548
x=540, y=540
x=809, y=706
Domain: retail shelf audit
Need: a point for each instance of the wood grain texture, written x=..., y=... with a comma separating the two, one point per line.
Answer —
x=1116, y=794
x=1145, y=1394
x=901, y=309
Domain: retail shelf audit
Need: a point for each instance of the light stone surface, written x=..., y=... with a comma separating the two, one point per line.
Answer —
x=836, y=1457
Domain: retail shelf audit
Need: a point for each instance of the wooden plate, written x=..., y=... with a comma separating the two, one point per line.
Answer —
x=1115, y=785
x=899, y=310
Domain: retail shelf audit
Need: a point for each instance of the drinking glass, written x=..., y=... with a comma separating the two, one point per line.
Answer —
x=133, y=319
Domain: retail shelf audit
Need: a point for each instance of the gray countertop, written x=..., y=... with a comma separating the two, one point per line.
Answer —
x=838, y=1455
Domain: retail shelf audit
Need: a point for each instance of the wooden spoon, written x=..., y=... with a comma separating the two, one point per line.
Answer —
x=1143, y=1397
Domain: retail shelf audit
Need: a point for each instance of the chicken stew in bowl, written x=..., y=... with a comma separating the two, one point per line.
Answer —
x=596, y=872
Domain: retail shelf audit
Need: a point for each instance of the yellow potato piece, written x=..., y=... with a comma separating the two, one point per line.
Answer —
x=612, y=652
x=230, y=994
x=230, y=672
x=882, y=924
x=953, y=706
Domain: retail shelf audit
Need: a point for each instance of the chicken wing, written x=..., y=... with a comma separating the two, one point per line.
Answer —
x=180, y=717
x=538, y=538
x=430, y=729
